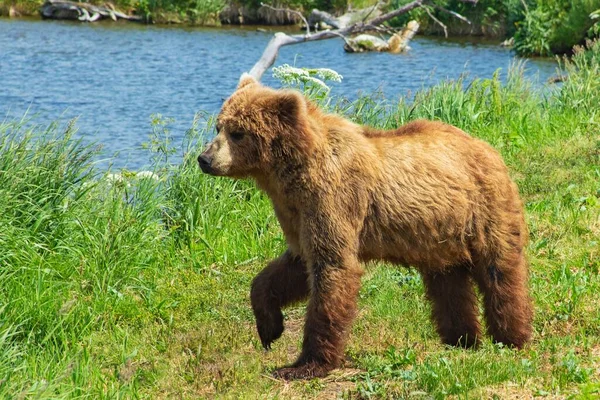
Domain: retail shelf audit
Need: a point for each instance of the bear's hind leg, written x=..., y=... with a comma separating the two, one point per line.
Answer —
x=454, y=306
x=508, y=309
x=284, y=281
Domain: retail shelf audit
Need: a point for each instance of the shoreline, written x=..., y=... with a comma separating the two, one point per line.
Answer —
x=543, y=30
x=291, y=29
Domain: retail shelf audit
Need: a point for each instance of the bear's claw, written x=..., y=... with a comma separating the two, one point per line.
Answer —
x=270, y=328
x=306, y=371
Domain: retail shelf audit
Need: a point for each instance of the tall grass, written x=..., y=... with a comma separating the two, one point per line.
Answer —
x=555, y=26
x=127, y=284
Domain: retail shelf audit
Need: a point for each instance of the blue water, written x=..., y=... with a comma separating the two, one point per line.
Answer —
x=114, y=76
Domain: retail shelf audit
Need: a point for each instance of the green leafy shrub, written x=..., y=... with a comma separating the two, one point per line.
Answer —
x=551, y=27
x=492, y=18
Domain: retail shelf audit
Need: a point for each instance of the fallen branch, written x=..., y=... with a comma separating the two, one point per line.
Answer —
x=453, y=13
x=298, y=13
x=281, y=39
x=317, y=16
x=437, y=21
x=397, y=43
x=63, y=9
x=402, y=10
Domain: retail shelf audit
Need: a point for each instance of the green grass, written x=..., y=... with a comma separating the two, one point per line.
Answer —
x=137, y=286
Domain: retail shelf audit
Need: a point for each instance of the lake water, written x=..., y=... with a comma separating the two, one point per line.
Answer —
x=113, y=76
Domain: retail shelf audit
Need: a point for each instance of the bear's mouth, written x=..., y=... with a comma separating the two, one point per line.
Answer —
x=205, y=165
x=210, y=170
x=207, y=169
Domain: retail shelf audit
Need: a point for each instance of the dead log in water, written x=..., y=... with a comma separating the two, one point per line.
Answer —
x=397, y=43
x=85, y=12
x=320, y=19
x=367, y=24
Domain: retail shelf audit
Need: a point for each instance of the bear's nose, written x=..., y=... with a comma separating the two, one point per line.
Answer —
x=204, y=162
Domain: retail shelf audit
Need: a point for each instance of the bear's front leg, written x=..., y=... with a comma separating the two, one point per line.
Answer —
x=282, y=282
x=331, y=309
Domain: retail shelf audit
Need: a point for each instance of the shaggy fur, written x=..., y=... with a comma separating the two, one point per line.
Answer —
x=426, y=195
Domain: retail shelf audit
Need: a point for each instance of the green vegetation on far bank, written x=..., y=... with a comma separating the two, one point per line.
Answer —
x=135, y=285
x=539, y=27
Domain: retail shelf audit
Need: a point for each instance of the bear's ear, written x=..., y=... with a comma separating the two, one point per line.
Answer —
x=246, y=80
x=290, y=106
x=291, y=109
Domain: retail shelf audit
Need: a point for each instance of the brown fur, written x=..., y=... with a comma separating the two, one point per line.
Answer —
x=426, y=195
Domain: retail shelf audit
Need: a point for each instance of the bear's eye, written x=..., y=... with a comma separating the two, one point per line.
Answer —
x=237, y=136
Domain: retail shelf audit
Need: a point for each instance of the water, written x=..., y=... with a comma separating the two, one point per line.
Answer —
x=113, y=76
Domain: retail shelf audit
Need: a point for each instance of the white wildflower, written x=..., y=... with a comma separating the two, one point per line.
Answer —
x=114, y=178
x=147, y=174
x=286, y=71
x=317, y=82
x=313, y=79
x=328, y=74
x=117, y=179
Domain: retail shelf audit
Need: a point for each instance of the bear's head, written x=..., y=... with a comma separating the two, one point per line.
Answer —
x=257, y=127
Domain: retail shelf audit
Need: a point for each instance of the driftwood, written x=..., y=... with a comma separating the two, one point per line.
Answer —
x=397, y=43
x=322, y=20
x=510, y=42
x=318, y=18
x=70, y=10
x=368, y=23
x=13, y=12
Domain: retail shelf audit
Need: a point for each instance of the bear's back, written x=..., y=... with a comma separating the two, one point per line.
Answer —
x=417, y=127
x=439, y=186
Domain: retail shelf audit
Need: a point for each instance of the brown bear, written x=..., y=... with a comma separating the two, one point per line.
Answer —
x=425, y=195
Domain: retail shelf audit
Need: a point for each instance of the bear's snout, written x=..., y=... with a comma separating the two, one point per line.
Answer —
x=205, y=162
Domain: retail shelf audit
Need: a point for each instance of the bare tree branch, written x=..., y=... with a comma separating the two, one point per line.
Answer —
x=339, y=35
x=298, y=13
x=402, y=10
x=385, y=29
x=453, y=13
x=317, y=16
x=370, y=12
x=281, y=39
x=437, y=21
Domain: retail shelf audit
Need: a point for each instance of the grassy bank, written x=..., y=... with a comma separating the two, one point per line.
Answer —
x=135, y=285
x=539, y=27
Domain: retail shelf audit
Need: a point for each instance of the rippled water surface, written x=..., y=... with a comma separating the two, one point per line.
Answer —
x=113, y=76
